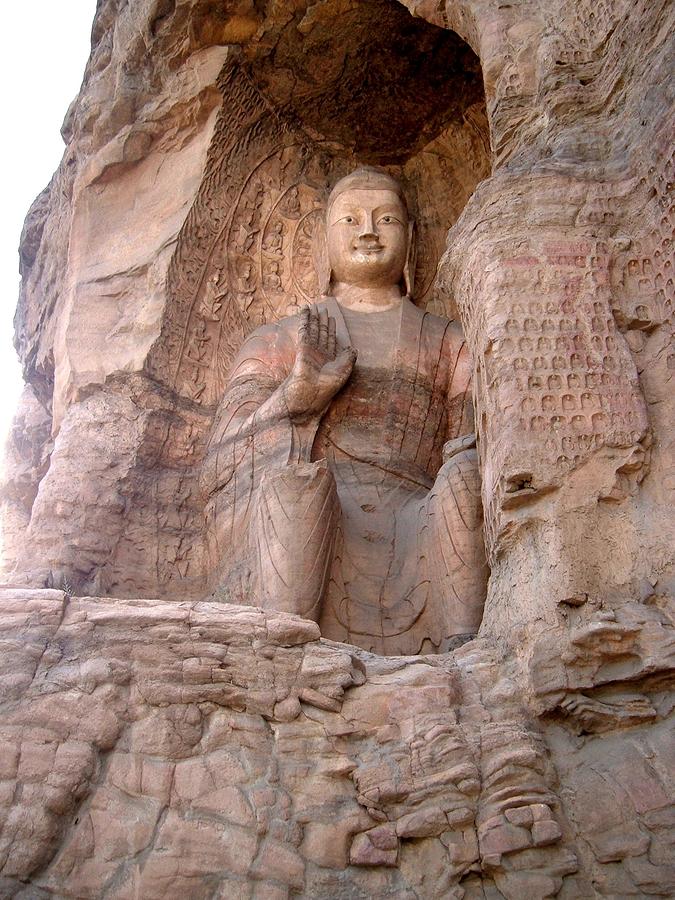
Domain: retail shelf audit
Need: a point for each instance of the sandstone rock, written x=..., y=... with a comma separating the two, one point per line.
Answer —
x=205, y=793
x=162, y=737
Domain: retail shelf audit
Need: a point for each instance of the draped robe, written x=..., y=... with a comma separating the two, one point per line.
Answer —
x=391, y=535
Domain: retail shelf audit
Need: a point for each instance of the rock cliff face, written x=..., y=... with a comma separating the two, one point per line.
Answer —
x=176, y=747
x=154, y=749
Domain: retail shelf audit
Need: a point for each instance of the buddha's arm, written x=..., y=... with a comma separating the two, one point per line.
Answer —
x=252, y=416
x=456, y=554
x=279, y=389
x=460, y=405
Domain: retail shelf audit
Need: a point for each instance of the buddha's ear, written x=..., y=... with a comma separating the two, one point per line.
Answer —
x=411, y=260
x=321, y=259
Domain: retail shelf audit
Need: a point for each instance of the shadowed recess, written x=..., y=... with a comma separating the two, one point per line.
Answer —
x=370, y=76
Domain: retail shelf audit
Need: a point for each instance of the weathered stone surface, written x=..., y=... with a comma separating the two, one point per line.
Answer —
x=26, y=459
x=177, y=747
x=142, y=755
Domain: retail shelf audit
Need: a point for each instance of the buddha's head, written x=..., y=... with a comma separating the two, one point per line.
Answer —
x=368, y=232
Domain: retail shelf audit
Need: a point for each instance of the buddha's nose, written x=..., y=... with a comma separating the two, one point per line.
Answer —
x=367, y=229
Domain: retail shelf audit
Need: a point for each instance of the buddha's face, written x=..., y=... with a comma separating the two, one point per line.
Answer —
x=367, y=237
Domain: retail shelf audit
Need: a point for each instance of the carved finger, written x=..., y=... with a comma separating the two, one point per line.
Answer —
x=314, y=325
x=323, y=329
x=332, y=340
x=303, y=327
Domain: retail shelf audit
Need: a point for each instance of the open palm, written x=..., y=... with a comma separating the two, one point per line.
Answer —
x=320, y=369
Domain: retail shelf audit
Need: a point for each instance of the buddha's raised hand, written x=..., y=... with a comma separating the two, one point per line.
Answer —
x=320, y=368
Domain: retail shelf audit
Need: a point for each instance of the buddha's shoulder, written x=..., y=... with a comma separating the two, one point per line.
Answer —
x=441, y=326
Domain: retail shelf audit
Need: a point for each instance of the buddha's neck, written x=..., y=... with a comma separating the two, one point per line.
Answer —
x=367, y=298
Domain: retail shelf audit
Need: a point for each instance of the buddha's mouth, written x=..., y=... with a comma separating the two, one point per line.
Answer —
x=369, y=250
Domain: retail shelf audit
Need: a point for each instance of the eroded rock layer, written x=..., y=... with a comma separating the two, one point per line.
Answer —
x=204, y=750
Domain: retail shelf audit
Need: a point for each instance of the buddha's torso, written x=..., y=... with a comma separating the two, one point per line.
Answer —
x=393, y=410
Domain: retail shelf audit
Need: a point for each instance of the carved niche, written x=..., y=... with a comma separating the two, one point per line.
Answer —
x=245, y=254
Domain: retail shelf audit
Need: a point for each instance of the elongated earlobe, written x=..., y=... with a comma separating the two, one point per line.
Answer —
x=321, y=259
x=411, y=260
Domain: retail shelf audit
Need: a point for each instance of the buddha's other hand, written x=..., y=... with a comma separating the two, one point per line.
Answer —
x=320, y=368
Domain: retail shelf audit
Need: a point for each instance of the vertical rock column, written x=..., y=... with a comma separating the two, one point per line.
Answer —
x=561, y=419
x=562, y=423
x=115, y=511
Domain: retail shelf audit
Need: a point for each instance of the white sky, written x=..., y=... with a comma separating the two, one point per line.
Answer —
x=42, y=62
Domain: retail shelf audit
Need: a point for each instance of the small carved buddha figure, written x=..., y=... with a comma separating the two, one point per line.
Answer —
x=342, y=472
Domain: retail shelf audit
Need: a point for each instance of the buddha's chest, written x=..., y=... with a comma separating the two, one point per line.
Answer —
x=374, y=336
x=387, y=413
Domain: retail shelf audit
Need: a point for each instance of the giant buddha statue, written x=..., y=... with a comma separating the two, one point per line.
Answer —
x=341, y=473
